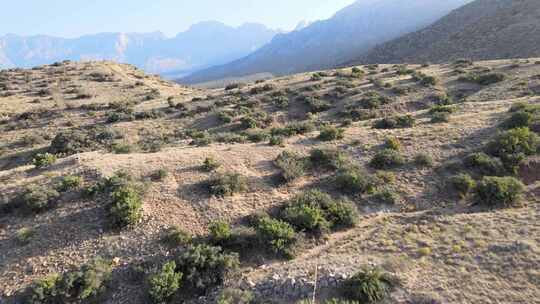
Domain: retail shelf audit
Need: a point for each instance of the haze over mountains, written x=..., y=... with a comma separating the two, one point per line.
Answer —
x=204, y=44
x=323, y=44
x=484, y=29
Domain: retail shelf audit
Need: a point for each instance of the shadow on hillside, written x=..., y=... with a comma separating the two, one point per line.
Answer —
x=55, y=232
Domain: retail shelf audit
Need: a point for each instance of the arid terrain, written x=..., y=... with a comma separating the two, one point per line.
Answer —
x=440, y=246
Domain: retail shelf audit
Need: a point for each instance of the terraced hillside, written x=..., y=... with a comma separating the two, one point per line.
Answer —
x=277, y=191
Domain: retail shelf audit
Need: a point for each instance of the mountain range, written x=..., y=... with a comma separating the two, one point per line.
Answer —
x=481, y=30
x=324, y=44
x=203, y=45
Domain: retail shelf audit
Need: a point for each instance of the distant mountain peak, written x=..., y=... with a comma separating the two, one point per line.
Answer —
x=302, y=25
x=188, y=51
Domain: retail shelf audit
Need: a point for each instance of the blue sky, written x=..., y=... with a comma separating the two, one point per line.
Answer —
x=71, y=18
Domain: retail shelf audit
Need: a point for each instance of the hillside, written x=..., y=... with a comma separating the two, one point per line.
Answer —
x=482, y=30
x=98, y=159
x=324, y=44
x=186, y=52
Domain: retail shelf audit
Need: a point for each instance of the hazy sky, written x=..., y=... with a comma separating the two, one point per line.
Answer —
x=70, y=18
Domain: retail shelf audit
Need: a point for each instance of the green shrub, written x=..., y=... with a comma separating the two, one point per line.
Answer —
x=440, y=117
x=291, y=164
x=248, y=122
x=126, y=207
x=24, y=235
x=396, y=122
x=204, y=267
x=386, y=196
x=306, y=218
x=484, y=164
x=69, y=182
x=220, y=232
x=317, y=105
x=368, y=286
x=293, y=129
x=235, y=296
x=518, y=119
x=277, y=234
x=225, y=117
x=329, y=133
x=483, y=79
x=276, y=141
x=442, y=109
x=423, y=160
x=513, y=146
x=160, y=174
x=175, y=236
x=164, y=284
x=353, y=180
x=121, y=148
x=503, y=191
x=72, y=287
x=257, y=136
x=210, y=164
x=387, y=159
x=341, y=214
x=227, y=184
x=392, y=143
x=328, y=158
x=44, y=160
x=461, y=184
x=315, y=211
x=37, y=198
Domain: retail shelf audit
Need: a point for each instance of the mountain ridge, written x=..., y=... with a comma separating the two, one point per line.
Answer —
x=481, y=30
x=324, y=44
x=154, y=52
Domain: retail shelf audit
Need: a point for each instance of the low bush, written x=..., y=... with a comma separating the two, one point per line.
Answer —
x=37, y=198
x=387, y=159
x=235, y=296
x=293, y=129
x=314, y=211
x=385, y=196
x=483, y=164
x=519, y=119
x=277, y=234
x=440, y=117
x=499, y=191
x=175, y=236
x=328, y=158
x=73, y=287
x=276, y=141
x=392, y=143
x=513, y=146
x=126, y=206
x=210, y=164
x=317, y=105
x=484, y=78
x=370, y=285
x=69, y=182
x=164, y=284
x=353, y=180
x=291, y=164
x=220, y=232
x=423, y=160
x=24, y=235
x=44, y=160
x=461, y=184
x=329, y=133
x=396, y=122
x=204, y=267
x=227, y=184
x=160, y=175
